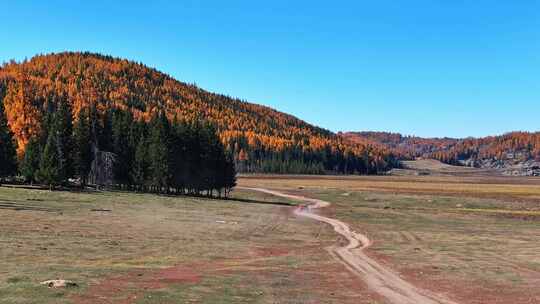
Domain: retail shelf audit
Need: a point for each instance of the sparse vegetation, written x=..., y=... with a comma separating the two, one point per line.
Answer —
x=163, y=249
x=472, y=238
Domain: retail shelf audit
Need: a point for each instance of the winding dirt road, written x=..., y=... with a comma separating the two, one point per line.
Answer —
x=378, y=278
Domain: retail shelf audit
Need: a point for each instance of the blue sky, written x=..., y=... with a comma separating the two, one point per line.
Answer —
x=430, y=68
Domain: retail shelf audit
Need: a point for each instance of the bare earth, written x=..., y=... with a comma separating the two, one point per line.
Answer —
x=379, y=278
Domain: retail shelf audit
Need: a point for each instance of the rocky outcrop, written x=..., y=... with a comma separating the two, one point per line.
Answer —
x=513, y=164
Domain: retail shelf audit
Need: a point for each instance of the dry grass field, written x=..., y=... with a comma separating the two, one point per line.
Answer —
x=156, y=249
x=474, y=239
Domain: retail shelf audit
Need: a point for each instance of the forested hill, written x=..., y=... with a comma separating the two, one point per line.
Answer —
x=260, y=139
x=518, y=152
x=404, y=147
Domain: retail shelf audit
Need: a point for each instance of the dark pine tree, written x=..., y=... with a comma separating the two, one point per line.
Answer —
x=82, y=149
x=64, y=129
x=158, y=152
x=122, y=145
x=50, y=172
x=30, y=162
x=8, y=156
x=229, y=178
x=139, y=170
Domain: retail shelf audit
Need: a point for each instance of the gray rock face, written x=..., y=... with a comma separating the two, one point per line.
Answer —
x=515, y=164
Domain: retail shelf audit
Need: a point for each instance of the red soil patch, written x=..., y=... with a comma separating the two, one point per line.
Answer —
x=128, y=287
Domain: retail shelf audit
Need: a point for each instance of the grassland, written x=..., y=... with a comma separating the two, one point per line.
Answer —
x=475, y=239
x=138, y=248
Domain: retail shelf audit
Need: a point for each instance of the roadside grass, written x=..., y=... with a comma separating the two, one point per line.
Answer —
x=465, y=244
x=114, y=245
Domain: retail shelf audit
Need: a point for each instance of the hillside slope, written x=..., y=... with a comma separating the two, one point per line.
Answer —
x=260, y=138
x=405, y=147
x=515, y=153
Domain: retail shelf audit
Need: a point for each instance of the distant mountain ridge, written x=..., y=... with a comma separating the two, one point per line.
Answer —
x=514, y=153
x=261, y=139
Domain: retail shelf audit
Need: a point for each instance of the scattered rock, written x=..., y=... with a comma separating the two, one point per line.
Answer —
x=225, y=222
x=59, y=284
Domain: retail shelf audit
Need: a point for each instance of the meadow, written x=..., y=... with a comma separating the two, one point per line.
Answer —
x=474, y=239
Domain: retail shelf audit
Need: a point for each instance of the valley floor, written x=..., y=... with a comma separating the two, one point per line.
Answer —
x=472, y=240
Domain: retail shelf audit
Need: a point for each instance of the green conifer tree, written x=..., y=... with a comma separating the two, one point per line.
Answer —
x=49, y=172
x=159, y=152
x=30, y=163
x=82, y=150
x=8, y=156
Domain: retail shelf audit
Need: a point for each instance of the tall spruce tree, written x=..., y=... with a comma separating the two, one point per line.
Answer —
x=8, y=155
x=54, y=166
x=139, y=170
x=123, y=146
x=159, y=152
x=229, y=175
x=50, y=172
x=82, y=150
x=64, y=129
x=30, y=162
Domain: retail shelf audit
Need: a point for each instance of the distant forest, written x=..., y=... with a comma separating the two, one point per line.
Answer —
x=257, y=138
x=522, y=145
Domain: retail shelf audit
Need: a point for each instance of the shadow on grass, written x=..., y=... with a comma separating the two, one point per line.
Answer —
x=252, y=201
x=24, y=207
x=16, y=206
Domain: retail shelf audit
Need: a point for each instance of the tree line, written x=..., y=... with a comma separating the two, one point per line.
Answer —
x=161, y=155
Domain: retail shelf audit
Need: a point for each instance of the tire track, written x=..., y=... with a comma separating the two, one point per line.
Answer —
x=379, y=278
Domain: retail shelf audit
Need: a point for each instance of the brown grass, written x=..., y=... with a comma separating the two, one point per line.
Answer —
x=157, y=249
x=473, y=238
x=512, y=188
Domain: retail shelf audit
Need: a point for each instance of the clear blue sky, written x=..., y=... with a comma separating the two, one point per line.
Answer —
x=430, y=68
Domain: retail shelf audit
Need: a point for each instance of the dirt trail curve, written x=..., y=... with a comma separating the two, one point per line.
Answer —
x=378, y=278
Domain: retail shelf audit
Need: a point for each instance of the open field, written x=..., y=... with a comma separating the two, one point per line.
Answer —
x=474, y=239
x=435, y=167
x=155, y=249
x=521, y=191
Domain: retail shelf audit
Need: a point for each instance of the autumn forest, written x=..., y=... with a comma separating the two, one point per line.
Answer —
x=258, y=138
x=121, y=110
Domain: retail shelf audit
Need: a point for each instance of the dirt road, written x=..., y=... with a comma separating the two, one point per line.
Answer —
x=378, y=278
